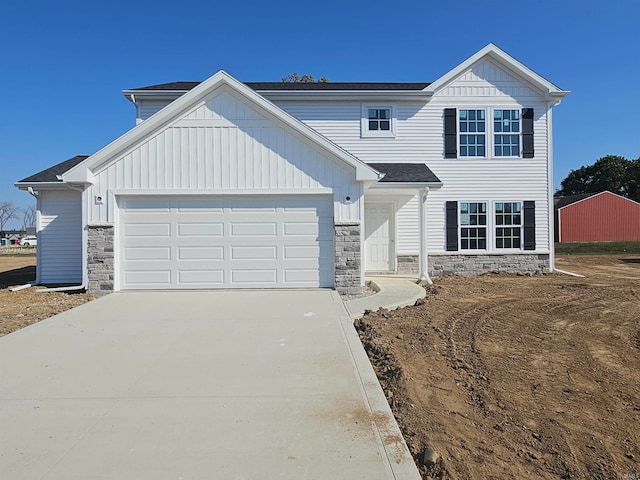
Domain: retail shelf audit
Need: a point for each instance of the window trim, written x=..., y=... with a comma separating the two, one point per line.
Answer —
x=486, y=226
x=489, y=132
x=495, y=226
x=490, y=226
x=364, y=122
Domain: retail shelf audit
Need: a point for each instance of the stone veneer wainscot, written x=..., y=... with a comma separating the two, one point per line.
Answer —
x=347, y=258
x=100, y=259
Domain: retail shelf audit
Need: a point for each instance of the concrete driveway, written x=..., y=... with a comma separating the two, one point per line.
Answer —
x=196, y=385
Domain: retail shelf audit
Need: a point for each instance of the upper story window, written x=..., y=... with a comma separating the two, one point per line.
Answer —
x=506, y=133
x=469, y=133
x=378, y=121
x=472, y=126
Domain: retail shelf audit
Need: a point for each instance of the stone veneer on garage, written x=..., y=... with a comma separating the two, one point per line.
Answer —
x=347, y=258
x=440, y=265
x=100, y=259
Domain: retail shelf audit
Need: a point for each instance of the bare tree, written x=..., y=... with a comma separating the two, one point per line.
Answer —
x=8, y=211
x=28, y=217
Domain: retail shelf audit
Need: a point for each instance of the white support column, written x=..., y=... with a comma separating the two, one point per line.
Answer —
x=422, y=211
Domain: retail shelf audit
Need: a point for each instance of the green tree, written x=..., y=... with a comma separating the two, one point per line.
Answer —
x=613, y=173
x=295, y=77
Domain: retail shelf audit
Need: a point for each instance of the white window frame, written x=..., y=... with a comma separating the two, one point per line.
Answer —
x=364, y=122
x=486, y=226
x=460, y=133
x=490, y=227
x=496, y=226
x=489, y=133
x=494, y=133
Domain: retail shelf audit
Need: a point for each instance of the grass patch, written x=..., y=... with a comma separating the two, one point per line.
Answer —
x=598, y=248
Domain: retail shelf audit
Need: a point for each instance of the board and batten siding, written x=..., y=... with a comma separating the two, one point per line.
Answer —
x=60, y=237
x=221, y=145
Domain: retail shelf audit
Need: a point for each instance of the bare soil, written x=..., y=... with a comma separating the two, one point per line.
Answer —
x=510, y=377
x=22, y=308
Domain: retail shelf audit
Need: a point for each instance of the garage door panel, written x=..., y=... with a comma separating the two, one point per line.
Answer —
x=142, y=278
x=202, y=277
x=254, y=277
x=200, y=253
x=146, y=253
x=229, y=242
x=200, y=229
x=147, y=230
x=254, y=253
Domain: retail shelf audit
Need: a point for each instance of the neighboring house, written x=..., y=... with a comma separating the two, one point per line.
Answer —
x=224, y=184
x=10, y=237
x=596, y=217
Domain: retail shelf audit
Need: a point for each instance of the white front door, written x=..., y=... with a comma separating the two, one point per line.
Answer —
x=378, y=243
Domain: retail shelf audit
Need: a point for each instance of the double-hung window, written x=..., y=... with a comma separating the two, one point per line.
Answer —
x=377, y=121
x=490, y=132
x=508, y=225
x=472, y=127
x=506, y=132
x=473, y=225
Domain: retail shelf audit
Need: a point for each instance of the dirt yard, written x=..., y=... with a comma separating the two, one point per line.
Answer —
x=495, y=377
x=511, y=377
x=19, y=309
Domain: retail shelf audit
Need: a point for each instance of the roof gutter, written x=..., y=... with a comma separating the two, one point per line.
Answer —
x=412, y=185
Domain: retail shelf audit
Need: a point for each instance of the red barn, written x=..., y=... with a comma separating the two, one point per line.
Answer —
x=596, y=217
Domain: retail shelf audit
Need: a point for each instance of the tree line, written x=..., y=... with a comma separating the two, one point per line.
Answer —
x=613, y=173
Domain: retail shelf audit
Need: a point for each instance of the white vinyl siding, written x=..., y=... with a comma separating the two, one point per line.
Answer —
x=225, y=242
x=147, y=108
x=221, y=145
x=60, y=237
x=420, y=138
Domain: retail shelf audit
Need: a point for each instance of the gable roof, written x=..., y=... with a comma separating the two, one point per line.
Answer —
x=561, y=202
x=81, y=173
x=51, y=174
x=406, y=173
x=505, y=60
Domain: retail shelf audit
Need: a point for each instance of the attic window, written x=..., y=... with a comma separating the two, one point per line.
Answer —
x=378, y=121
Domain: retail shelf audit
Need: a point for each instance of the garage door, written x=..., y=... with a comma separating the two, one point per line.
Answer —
x=225, y=242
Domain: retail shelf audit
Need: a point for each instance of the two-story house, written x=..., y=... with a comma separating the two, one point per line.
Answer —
x=224, y=184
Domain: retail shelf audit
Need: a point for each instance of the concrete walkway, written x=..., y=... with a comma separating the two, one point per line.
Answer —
x=196, y=385
x=394, y=291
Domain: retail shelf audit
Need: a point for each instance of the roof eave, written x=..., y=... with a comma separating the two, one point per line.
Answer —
x=41, y=185
x=412, y=185
x=417, y=95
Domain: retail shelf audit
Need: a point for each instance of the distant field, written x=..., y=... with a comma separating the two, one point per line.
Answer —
x=598, y=248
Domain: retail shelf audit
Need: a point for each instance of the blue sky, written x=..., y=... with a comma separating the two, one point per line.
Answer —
x=63, y=64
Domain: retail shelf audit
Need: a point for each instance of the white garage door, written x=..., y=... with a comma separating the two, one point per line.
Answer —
x=225, y=242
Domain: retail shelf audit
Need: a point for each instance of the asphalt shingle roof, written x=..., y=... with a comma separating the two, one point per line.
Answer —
x=405, y=172
x=51, y=173
x=327, y=86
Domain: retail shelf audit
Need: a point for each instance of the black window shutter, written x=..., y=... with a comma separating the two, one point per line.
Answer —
x=452, y=226
x=527, y=133
x=450, y=133
x=529, y=225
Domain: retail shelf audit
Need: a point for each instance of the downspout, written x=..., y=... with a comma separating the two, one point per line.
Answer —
x=83, y=285
x=423, y=256
x=38, y=263
x=550, y=213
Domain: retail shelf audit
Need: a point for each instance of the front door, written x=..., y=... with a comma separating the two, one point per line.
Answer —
x=378, y=243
